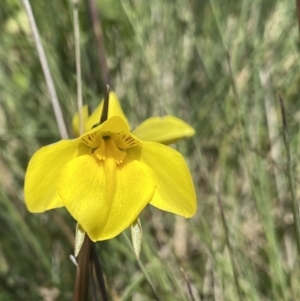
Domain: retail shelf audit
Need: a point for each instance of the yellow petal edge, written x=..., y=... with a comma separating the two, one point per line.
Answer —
x=166, y=130
x=43, y=172
x=175, y=190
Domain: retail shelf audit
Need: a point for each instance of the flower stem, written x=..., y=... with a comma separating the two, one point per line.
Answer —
x=88, y=259
x=98, y=272
x=104, y=114
x=82, y=276
x=99, y=39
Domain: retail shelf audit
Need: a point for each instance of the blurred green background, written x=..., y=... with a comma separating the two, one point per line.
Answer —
x=220, y=66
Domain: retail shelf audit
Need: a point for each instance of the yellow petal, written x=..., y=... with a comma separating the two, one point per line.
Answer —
x=43, y=172
x=75, y=120
x=175, y=190
x=165, y=130
x=103, y=197
x=114, y=109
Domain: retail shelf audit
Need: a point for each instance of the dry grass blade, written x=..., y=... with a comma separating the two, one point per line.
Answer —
x=49, y=81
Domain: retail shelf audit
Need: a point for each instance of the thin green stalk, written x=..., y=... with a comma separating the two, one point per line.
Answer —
x=219, y=26
x=291, y=180
x=49, y=81
x=78, y=64
x=142, y=267
x=136, y=282
x=230, y=249
x=150, y=255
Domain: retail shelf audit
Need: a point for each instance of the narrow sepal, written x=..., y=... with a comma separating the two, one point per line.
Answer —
x=137, y=237
x=79, y=239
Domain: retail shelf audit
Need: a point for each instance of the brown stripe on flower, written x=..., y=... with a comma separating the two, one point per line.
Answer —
x=91, y=140
x=126, y=140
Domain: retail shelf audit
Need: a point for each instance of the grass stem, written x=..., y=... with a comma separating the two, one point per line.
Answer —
x=78, y=64
x=230, y=249
x=291, y=180
x=49, y=81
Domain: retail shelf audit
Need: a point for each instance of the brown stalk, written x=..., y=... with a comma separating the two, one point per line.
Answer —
x=97, y=29
x=298, y=15
x=81, y=290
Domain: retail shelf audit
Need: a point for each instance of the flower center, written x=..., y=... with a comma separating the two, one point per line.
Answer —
x=108, y=144
x=108, y=149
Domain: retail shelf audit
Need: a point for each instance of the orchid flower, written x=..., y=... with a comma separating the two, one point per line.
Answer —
x=106, y=177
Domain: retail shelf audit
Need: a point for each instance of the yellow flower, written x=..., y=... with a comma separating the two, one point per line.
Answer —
x=106, y=177
x=166, y=130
